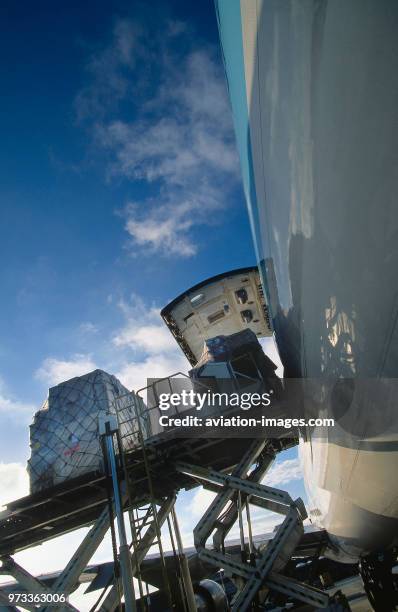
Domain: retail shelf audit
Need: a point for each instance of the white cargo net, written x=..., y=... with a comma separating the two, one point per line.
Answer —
x=64, y=435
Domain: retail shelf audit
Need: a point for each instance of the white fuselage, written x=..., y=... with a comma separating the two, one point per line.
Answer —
x=314, y=93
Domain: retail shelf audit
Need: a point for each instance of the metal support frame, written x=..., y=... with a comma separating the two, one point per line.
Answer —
x=153, y=513
x=69, y=577
x=67, y=580
x=107, y=430
x=262, y=571
x=226, y=522
x=238, y=489
x=5, y=605
x=28, y=583
x=201, y=531
x=111, y=601
x=186, y=576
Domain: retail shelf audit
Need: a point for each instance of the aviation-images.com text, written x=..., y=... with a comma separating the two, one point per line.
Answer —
x=244, y=401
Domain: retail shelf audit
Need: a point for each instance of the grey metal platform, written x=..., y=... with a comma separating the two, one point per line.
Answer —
x=42, y=516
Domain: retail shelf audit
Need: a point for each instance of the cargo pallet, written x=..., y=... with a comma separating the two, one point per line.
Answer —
x=150, y=474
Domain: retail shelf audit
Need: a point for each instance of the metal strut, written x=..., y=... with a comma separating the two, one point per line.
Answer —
x=149, y=537
x=263, y=567
x=107, y=430
x=153, y=515
x=69, y=577
x=228, y=519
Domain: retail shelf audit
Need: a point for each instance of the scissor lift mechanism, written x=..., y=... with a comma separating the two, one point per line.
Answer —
x=152, y=473
x=263, y=566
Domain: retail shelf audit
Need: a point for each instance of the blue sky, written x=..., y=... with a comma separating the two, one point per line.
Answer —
x=120, y=188
x=120, y=177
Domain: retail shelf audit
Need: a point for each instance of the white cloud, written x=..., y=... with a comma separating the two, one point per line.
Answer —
x=155, y=351
x=180, y=140
x=54, y=371
x=142, y=348
x=187, y=131
x=88, y=328
x=14, y=482
x=14, y=409
x=283, y=472
x=134, y=375
x=144, y=329
x=188, y=150
x=200, y=502
x=152, y=338
x=166, y=235
x=108, y=70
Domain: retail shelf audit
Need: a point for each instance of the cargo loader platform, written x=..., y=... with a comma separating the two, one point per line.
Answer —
x=42, y=516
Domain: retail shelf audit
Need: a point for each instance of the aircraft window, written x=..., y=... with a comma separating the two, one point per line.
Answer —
x=247, y=316
x=197, y=299
x=216, y=316
x=241, y=296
